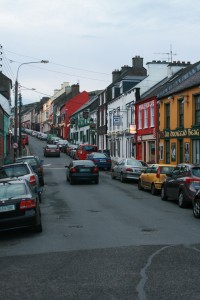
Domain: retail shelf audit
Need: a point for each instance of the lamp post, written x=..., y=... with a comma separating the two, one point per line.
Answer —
x=16, y=101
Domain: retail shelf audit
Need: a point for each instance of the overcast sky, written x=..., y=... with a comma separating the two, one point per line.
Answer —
x=85, y=40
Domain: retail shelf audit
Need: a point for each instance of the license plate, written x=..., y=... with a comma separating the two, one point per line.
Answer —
x=102, y=160
x=7, y=208
x=84, y=170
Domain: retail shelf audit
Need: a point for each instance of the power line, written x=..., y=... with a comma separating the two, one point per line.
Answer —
x=75, y=68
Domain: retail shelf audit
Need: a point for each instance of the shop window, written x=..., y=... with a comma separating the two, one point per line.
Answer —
x=195, y=152
x=167, y=153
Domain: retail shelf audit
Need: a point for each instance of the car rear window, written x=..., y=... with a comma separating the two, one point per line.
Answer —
x=195, y=172
x=166, y=169
x=12, y=190
x=90, y=148
x=14, y=171
x=52, y=146
x=31, y=161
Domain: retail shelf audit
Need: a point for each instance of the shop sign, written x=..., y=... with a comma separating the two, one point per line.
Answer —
x=116, y=120
x=187, y=132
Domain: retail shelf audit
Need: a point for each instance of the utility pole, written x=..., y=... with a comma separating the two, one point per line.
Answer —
x=20, y=125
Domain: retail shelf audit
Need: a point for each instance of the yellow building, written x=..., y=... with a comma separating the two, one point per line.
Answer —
x=179, y=117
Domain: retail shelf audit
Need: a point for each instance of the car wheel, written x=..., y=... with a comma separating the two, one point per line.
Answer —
x=140, y=185
x=42, y=182
x=163, y=194
x=112, y=175
x=71, y=181
x=181, y=200
x=153, y=189
x=196, y=208
x=122, y=178
x=38, y=228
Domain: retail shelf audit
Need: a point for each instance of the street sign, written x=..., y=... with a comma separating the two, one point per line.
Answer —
x=15, y=145
x=116, y=120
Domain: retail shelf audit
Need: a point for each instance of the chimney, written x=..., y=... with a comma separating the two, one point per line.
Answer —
x=124, y=68
x=75, y=90
x=115, y=75
x=137, y=62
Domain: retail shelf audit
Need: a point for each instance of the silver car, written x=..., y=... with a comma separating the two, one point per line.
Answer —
x=22, y=170
x=128, y=169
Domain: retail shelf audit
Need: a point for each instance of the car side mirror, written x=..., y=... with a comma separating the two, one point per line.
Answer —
x=66, y=166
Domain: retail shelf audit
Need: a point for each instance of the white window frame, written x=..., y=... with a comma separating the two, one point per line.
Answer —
x=145, y=118
x=152, y=116
x=140, y=120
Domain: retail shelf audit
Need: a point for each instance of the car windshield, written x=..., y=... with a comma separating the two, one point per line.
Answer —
x=195, y=172
x=17, y=170
x=90, y=148
x=166, y=170
x=30, y=160
x=52, y=146
x=12, y=190
x=99, y=155
x=132, y=162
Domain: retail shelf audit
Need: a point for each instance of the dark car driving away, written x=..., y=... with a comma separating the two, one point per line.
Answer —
x=51, y=150
x=101, y=160
x=19, y=206
x=82, y=171
x=182, y=184
x=36, y=164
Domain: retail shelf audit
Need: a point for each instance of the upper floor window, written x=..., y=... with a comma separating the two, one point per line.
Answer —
x=197, y=110
x=167, y=115
x=181, y=113
x=146, y=118
x=140, y=119
x=152, y=116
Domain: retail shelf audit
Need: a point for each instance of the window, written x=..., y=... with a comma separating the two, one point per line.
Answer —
x=167, y=153
x=140, y=120
x=146, y=118
x=167, y=114
x=181, y=113
x=152, y=116
x=197, y=110
x=195, y=152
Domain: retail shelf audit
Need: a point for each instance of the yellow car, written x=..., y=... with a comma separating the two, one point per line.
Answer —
x=153, y=177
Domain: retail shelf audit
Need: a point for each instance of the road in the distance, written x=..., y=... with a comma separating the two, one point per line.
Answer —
x=106, y=241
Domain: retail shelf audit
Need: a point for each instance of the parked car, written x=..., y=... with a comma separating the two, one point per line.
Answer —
x=83, y=150
x=101, y=160
x=51, y=150
x=154, y=175
x=128, y=169
x=61, y=144
x=196, y=204
x=19, y=206
x=22, y=170
x=182, y=184
x=36, y=164
x=24, y=139
x=70, y=149
x=82, y=171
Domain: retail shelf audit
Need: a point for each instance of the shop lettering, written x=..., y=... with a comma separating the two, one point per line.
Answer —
x=182, y=133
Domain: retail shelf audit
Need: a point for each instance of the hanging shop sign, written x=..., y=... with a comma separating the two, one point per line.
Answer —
x=116, y=120
x=132, y=129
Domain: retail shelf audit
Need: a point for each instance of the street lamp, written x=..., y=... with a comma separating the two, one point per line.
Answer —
x=16, y=100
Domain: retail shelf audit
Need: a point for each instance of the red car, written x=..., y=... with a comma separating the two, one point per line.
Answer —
x=83, y=150
x=24, y=139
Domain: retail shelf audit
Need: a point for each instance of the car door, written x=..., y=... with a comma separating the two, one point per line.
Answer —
x=145, y=177
x=172, y=182
x=119, y=168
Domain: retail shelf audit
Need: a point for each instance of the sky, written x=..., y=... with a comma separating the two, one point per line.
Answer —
x=86, y=40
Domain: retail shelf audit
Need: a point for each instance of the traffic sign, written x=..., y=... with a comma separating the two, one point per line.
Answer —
x=15, y=145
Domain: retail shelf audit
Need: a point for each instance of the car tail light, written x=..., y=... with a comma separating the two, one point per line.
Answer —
x=158, y=172
x=109, y=160
x=26, y=204
x=32, y=180
x=189, y=180
x=39, y=169
x=73, y=170
x=129, y=169
x=95, y=170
